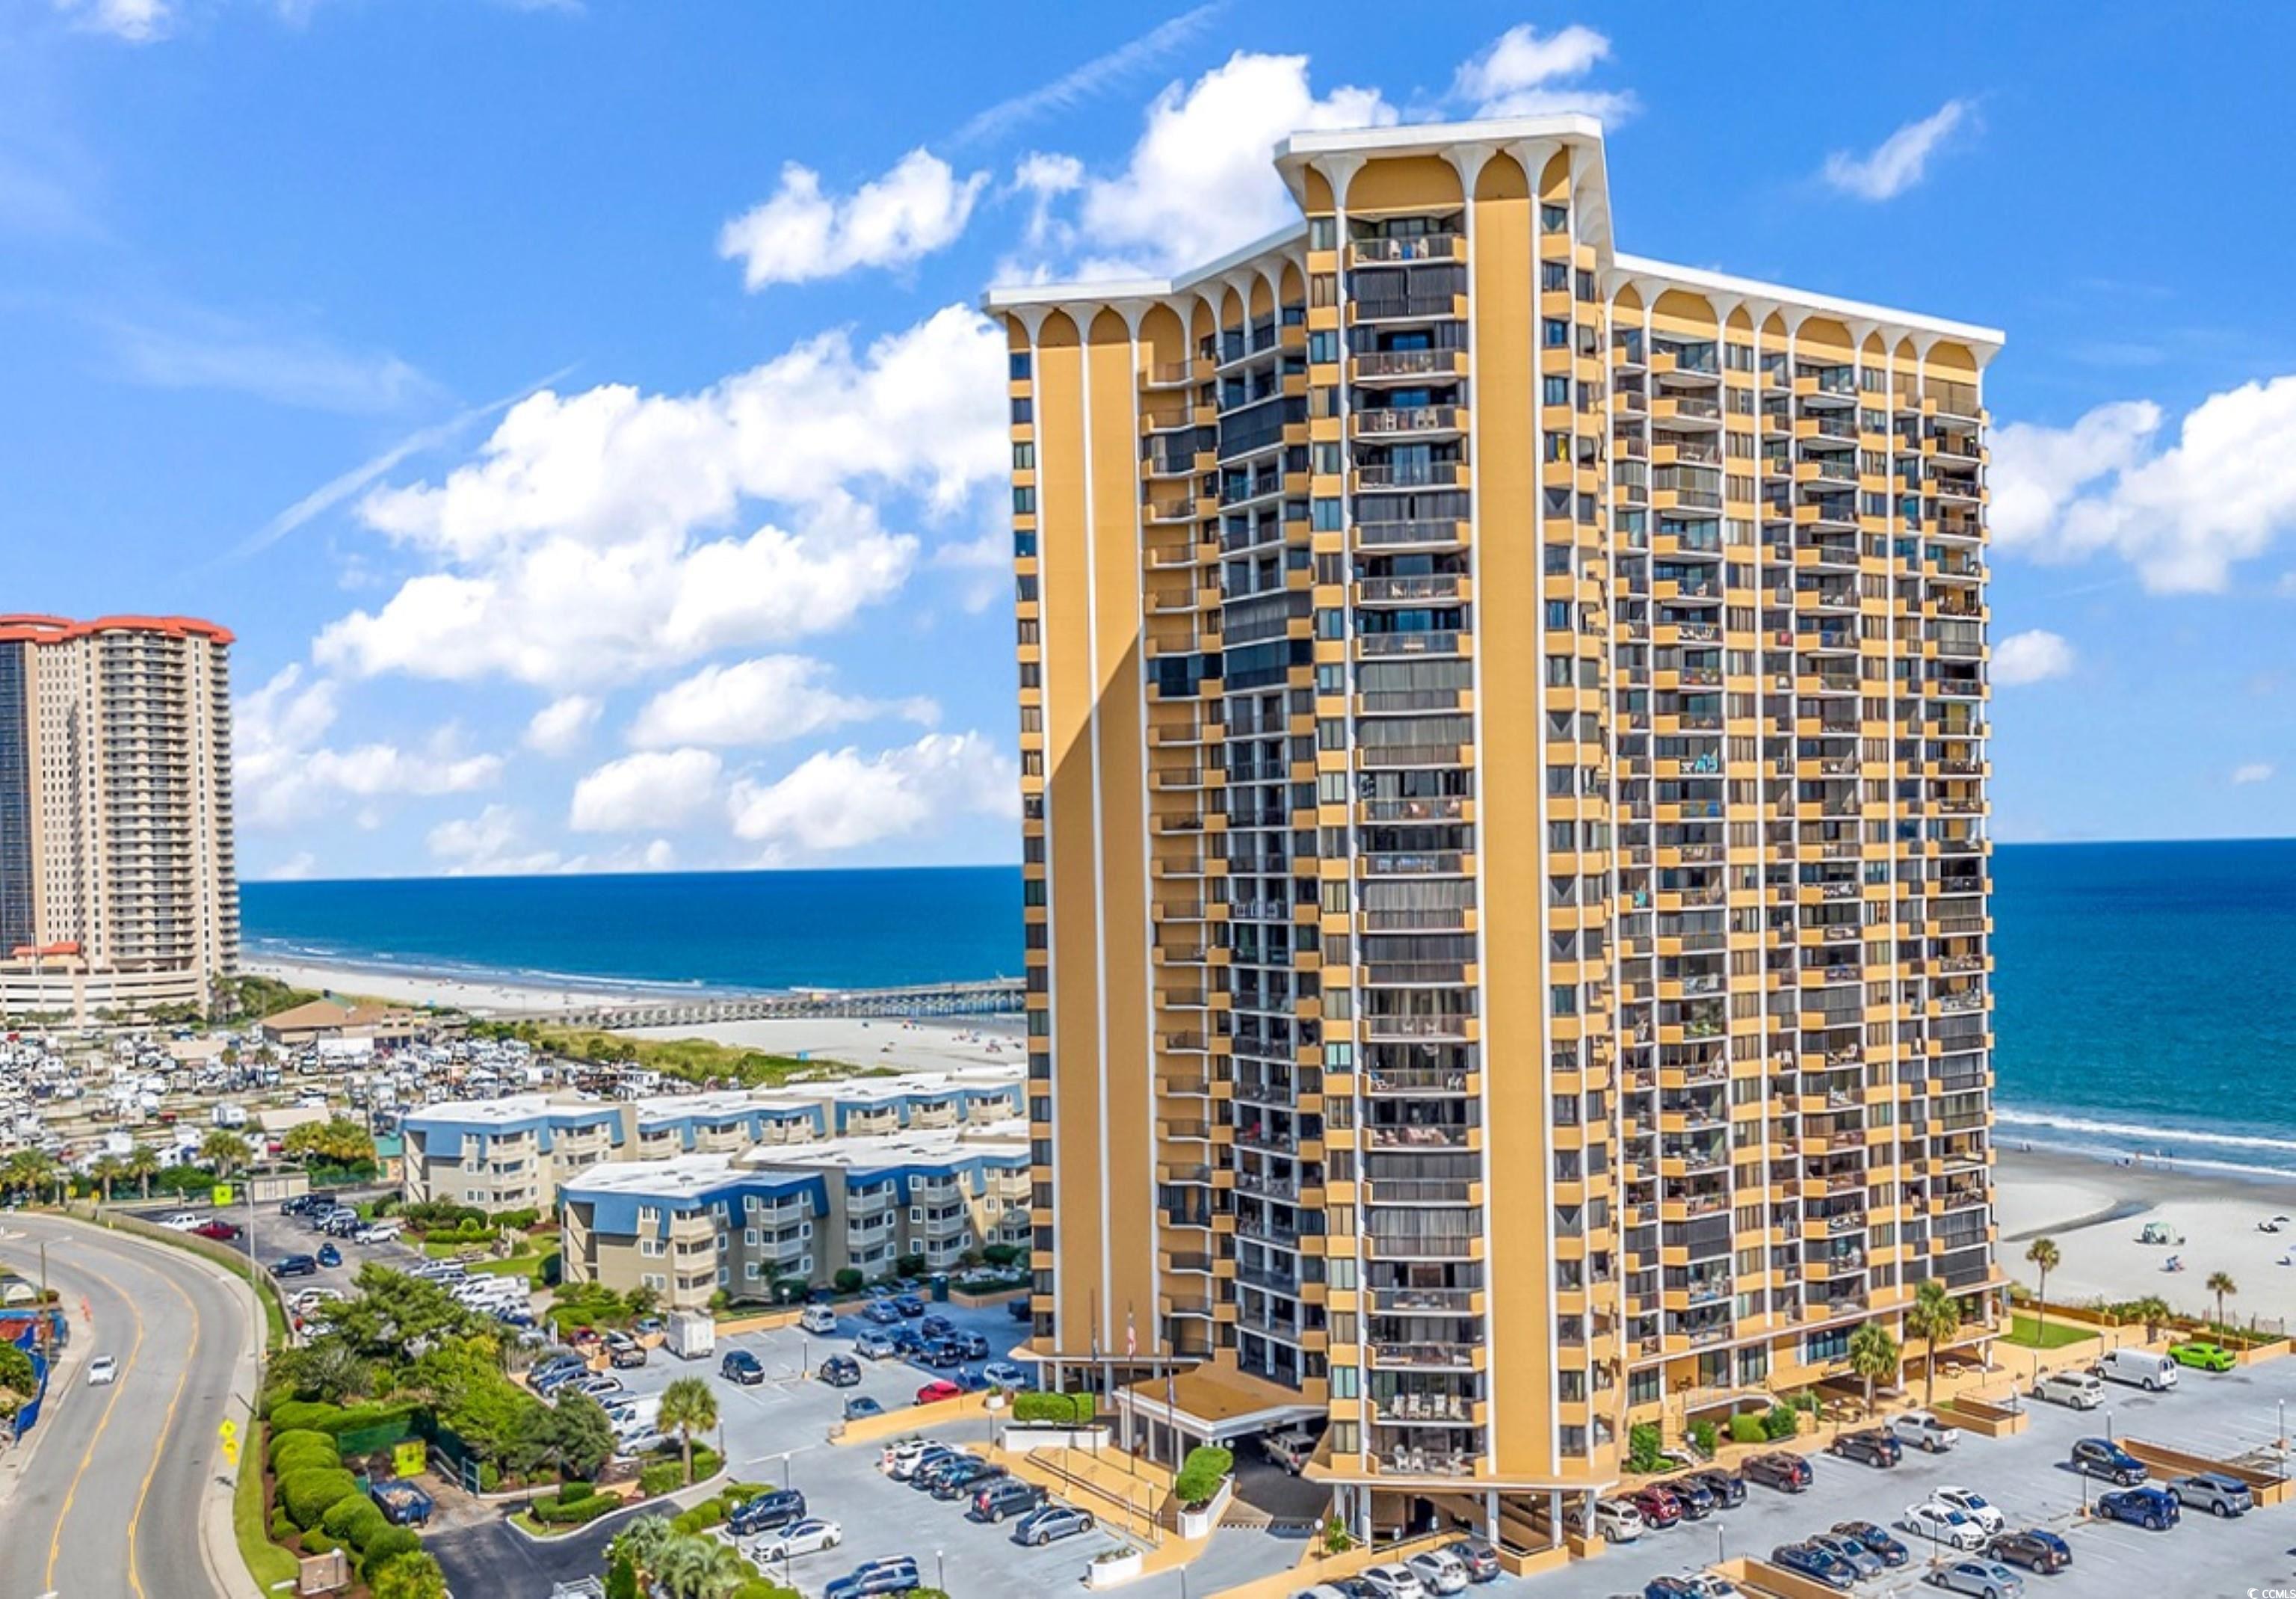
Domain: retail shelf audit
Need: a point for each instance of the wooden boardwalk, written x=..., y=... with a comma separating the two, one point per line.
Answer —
x=996, y=996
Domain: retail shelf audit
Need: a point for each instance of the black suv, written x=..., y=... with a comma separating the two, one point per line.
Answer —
x=767, y=1513
x=1697, y=1500
x=1872, y=1446
x=959, y=1481
x=840, y=1371
x=1005, y=1496
x=2102, y=1457
x=1728, y=1491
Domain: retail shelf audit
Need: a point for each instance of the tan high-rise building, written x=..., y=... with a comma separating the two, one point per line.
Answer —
x=1503, y=728
x=117, y=890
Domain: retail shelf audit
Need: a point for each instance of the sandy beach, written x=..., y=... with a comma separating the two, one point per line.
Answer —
x=2095, y=1211
x=480, y=998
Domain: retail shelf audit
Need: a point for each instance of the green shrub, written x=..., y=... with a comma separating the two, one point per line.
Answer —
x=386, y=1547
x=574, y=1489
x=707, y=1463
x=322, y=1457
x=282, y=1528
x=621, y=1580
x=307, y=1494
x=1703, y=1435
x=848, y=1280
x=685, y=1523
x=1064, y=1410
x=305, y=1416
x=665, y=1478
x=489, y=1477
x=295, y=1439
x=316, y=1542
x=1643, y=1443
x=1746, y=1428
x=1201, y=1473
x=561, y=1512
x=1780, y=1422
x=353, y=1520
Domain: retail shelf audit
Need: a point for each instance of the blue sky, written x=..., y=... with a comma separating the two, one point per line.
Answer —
x=579, y=412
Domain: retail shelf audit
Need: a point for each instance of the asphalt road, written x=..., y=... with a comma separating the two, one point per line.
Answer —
x=105, y=1501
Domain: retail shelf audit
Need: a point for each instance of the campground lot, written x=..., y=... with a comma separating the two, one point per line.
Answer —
x=2025, y=1476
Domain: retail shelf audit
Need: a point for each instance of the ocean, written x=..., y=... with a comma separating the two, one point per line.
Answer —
x=2134, y=980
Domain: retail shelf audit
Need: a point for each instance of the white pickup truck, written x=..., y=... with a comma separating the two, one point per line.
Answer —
x=1922, y=1431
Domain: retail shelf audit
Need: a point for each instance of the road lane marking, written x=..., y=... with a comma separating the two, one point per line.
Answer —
x=167, y=1424
x=63, y=1513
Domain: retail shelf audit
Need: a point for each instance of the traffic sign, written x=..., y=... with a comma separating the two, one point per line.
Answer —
x=227, y=1430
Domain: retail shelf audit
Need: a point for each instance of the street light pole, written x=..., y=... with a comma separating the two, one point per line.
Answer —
x=940, y=1576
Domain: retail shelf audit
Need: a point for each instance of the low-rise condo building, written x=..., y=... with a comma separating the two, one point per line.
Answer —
x=1504, y=769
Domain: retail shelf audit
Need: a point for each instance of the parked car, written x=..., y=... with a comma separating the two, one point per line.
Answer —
x=2102, y=1457
x=376, y=1231
x=1658, y=1508
x=1872, y=1448
x=181, y=1221
x=222, y=1232
x=860, y=1406
x=1481, y=1559
x=881, y=1312
x=972, y=1346
x=2141, y=1369
x=2154, y=1509
x=840, y=1371
x=1389, y=1580
x=741, y=1368
x=1923, y=1431
x=103, y=1371
x=2214, y=1492
x=624, y=1352
x=909, y=1304
x=1973, y=1504
x=1943, y=1524
x=897, y=1575
x=1808, y=1560
x=960, y=1481
x=903, y=1460
x=932, y=1474
x=1729, y=1492
x=938, y=1389
x=329, y=1255
x=1787, y=1473
x=873, y=1346
x=1877, y=1542
x=1439, y=1570
x=1697, y=1500
x=936, y=1326
x=942, y=1354
x=1616, y=1521
x=2202, y=1355
x=2035, y=1549
x=2082, y=1390
x=767, y=1512
x=810, y=1536
x=1985, y=1579
x=1851, y=1552
x=1004, y=1373
x=992, y=1502
x=1048, y=1523
x=819, y=1320
x=1693, y=1584
x=294, y=1266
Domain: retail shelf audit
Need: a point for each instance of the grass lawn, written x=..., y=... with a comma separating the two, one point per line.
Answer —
x=265, y=1561
x=2026, y=1334
x=532, y=1268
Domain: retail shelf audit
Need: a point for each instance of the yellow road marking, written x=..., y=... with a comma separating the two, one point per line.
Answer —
x=167, y=1422
x=56, y=1539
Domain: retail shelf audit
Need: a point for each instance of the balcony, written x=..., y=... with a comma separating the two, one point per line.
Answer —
x=1420, y=246
x=1410, y=421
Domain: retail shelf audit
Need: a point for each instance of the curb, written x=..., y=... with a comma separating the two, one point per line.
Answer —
x=610, y=1516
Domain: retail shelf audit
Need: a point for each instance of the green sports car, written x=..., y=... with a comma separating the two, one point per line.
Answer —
x=2200, y=1352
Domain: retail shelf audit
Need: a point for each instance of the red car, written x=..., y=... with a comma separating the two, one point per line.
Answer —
x=1658, y=1507
x=222, y=1231
x=933, y=1393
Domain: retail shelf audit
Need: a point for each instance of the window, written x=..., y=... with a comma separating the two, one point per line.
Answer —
x=1557, y=390
x=1019, y=366
x=1024, y=501
x=1323, y=346
x=1024, y=457
x=1555, y=274
x=1554, y=332
x=1024, y=410
x=1819, y=1347
x=1553, y=218
x=1322, y=233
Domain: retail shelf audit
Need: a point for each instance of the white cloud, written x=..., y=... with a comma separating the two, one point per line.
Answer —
x=1200, y=181
x=139, y=21
x=2225, y=491
x=295, y=868
x=799, y=234
x=2254, y=772
x=576, y=550
x=1522, y=74
x=2031, y=657
x=202, y=349
x=490, y=844
x=283, y=773
x=841, y=798
x=657, y=789
x=562, y=727
x=759, y=702
x=1044, y=178
x=1898, y=162
x=1073, y=88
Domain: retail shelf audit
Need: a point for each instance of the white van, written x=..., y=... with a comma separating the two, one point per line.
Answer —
x=2080, y=1390
x=819, y=1320
x=2141, y=1368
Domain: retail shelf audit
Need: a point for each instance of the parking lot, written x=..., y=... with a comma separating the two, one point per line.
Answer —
x=777, y=1432
x=274, y=1235
x=2024, y=1476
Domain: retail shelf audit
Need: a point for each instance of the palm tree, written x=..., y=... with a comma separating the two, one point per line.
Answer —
x=224, y=1151
x=1933, y=1316
x=143, y=1164
x=641, y=1542
x=688, y=1404
x=1874, y=1355
x=2155, y=1310
x=31, y=1169
x=698, y=1567
x=2220, y=1283
x=107, y=1169
x=2043, y=1258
